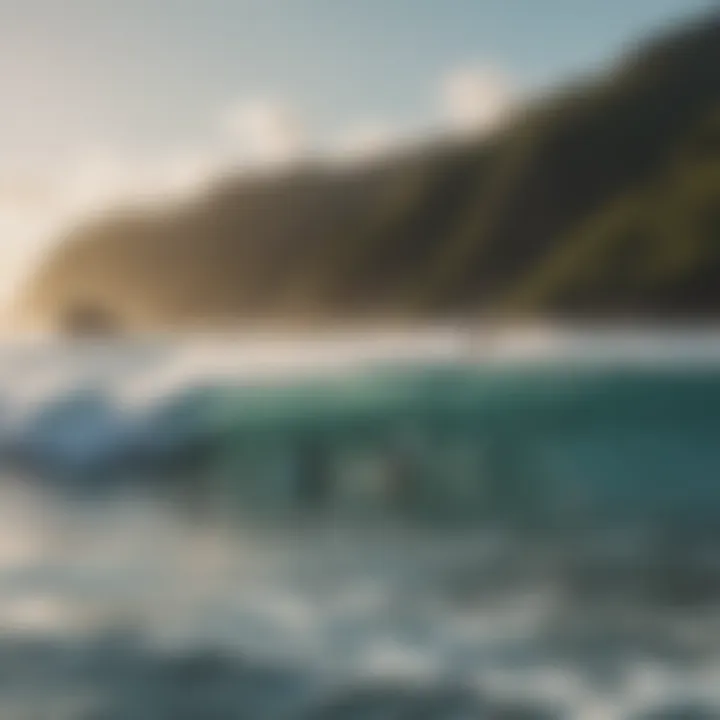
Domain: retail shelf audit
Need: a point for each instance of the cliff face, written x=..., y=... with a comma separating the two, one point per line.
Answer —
x=603, y=200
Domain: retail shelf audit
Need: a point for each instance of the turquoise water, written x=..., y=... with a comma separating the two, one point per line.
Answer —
x=533, y=444
x=441, y=540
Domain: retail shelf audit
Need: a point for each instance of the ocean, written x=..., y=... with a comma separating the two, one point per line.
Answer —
x=440, y=525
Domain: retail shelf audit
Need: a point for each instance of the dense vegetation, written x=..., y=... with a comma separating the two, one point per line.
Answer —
x=603, y=200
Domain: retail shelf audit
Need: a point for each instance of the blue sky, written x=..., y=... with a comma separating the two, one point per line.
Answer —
x=143, y=72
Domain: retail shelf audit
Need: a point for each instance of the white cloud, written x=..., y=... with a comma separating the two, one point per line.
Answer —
x=476, y=100
x=187, y=170
x=102, y=177
x=266, y=132
x=367, y=141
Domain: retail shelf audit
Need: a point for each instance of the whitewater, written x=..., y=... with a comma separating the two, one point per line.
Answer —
x=149, y=601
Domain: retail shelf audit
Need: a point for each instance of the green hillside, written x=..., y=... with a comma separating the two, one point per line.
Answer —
x=602, y=200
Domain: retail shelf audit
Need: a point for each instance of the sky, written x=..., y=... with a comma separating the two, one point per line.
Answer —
x=101, y=97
